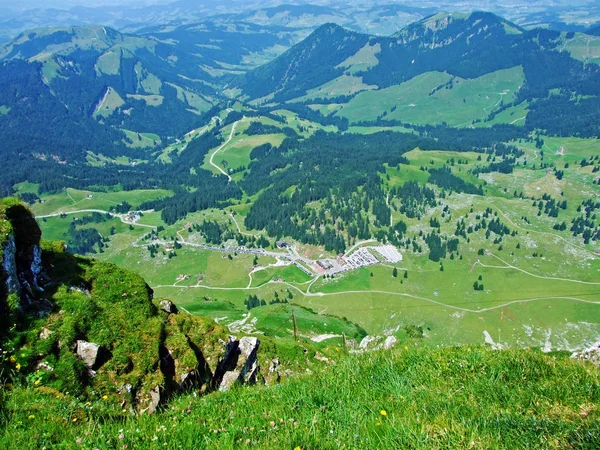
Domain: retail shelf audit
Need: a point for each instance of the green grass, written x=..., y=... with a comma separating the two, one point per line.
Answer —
x=371, y=130
x=141, y=140
x=309, y=127
x=416, y=398
x=26, y=187
x=515, y=115
x=110, y=103
x=362, y=60
x=583, y=47
x=151, y=100
x=466, y=101
x=237, y=153
x=289, y=274
x=75, y=199
x=151, y=84
x=343, y=85
x=99, y=160
x=110, y=62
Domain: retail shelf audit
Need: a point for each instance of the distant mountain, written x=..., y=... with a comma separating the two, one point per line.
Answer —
x=120, y=17
x=74, y=96
x=73, y=93
x=105, y=76
x=297, y=16
x=594, y=31
x=334, y=65
x=442, y=42
x=311, y=63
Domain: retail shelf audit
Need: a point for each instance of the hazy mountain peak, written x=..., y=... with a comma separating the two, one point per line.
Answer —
x=449, y=26
x=56, y=39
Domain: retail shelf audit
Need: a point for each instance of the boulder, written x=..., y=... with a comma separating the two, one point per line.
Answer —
x=88, y=352
x=390, y=341
x=168, y=307
x=274, y=368
x=45, y=333
x=156, y=399
x=238, y=365
x=320, y=357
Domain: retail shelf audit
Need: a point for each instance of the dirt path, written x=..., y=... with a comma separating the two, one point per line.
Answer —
x=397, y=294
x=546, y=233
x=510, y=266
x=101, y=211
x=223, y=146
x=517, y=120
x=69, y=195
x=501, y=94
x=99, y=105
x=238, y=226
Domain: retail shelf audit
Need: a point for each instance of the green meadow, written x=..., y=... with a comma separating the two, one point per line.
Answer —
x=541, y=285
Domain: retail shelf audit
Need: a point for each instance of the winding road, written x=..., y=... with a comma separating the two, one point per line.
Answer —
x=290, y=257
x=223, y=146
x=101, y=211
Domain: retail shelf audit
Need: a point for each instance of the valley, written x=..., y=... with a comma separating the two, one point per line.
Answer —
x=238, y=225
x=525, y=300
x=422, y=180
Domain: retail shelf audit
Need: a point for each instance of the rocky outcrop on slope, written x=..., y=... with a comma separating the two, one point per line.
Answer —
x=101, y=328
x=591, y=354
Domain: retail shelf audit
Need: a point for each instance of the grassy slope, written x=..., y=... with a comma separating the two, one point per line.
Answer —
x=466, y=101
x=406, y=398
x=75, y=200
x=528, y=301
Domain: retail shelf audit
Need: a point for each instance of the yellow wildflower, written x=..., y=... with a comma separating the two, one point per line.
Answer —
x=13, y=359
x=298, y=448
x=31, y=417
x=383, y=412
x=18, y=366
x=406, y=347
x=36, y=382
x=74, y=419
x=105, y=397
x=378, y=424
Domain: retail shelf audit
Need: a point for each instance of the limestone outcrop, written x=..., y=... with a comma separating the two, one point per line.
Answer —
x=591, y=354
x=89, y=353
x=138, y=351
x=239, y=364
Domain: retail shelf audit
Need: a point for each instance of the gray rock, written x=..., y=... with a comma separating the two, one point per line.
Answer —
x=591, y=354
x=155, y=399
x=88, y=352
x=36, y=267
x=168, y=307
x=320, y=357
x=390, y=341
x=44, y=366
x=238, y=365
x=9, y=264
x=274, y=368
x=45, y=334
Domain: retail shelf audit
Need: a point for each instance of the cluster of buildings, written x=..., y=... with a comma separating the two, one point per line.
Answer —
x=364, y=256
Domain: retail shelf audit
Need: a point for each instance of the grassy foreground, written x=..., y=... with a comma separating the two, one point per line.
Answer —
x=468, y=397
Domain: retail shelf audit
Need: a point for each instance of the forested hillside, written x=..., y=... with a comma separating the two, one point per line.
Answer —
x=466, y=47
x=71, y=94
